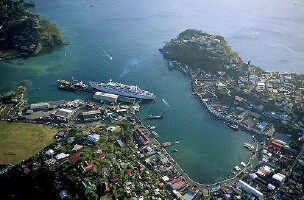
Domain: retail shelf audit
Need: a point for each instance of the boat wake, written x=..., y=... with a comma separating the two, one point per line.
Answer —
x=167, y=104
x=109, y=56
x=131, y=64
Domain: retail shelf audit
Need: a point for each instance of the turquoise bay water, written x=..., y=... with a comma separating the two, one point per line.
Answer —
x=268, y=33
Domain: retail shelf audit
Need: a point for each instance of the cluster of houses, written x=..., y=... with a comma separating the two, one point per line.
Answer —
x=256, y=102
x=159, y=161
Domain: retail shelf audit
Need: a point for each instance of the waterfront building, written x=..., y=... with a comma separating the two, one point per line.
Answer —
x=177, y=184
x=102, y=96
x=91, y=115
x=39, y=106
x=140, y=137
x=64, y=113
x=246, y=187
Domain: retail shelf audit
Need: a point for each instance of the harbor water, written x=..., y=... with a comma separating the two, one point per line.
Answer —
x=269, y=33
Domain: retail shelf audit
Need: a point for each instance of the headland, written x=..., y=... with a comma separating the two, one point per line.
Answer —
x=23, y=33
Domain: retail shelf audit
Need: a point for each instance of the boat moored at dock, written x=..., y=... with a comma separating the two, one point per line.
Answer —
x=132, y=91
x=72, y=86
x=166, y=144
x=155, y=117
x=249, y=146
x=234, y=127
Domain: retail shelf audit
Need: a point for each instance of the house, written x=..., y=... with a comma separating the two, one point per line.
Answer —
x=50, y=152
x=93, y=138
x=61, y=156
x=74, y=159
x=140, y=137
x=114, y=178
x=261, y=86
x=87, y=167
x=63, y=194
x=177, y=184
x=120, y=144
x=77, y=147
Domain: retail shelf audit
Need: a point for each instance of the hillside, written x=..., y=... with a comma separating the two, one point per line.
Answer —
x=198, y=49
x=23, y=33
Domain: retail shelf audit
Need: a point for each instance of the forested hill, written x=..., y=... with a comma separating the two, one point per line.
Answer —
x=198, y=49
x=23, y=33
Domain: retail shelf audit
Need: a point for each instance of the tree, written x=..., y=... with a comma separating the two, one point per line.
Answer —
x=91, y=195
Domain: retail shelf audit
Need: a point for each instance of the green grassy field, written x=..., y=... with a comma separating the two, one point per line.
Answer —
x=19, y=141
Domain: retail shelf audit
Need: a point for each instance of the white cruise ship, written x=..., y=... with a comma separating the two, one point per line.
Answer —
x=124, y=90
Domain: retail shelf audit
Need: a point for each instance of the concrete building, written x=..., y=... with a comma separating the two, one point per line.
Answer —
x=261, y=86
x=101, y=96
x=91, y=115
x=64, y=113
x=40, y=106
x=251, y=190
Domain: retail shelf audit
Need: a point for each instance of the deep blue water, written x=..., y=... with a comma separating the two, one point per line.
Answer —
x=270, y=33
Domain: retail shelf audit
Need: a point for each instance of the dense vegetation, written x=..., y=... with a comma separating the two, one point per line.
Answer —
x=23, y=33
x=198, y=49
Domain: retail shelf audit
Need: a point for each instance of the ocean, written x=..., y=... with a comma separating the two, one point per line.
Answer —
x=269, y=33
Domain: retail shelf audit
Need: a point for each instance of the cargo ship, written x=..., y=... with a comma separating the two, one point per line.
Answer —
x=73, y=85
x=132, y=91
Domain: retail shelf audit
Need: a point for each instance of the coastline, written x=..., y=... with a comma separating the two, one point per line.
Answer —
x=183, y=174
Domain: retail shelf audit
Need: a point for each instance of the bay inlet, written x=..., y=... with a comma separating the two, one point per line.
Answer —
x=133, y=32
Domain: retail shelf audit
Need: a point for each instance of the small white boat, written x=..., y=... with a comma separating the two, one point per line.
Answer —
x=176, y=142
x=237, y=168
x=175, y=150
x=151, y=127
x=243, y=164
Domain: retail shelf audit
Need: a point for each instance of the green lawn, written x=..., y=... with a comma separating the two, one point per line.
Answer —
x=19, y=141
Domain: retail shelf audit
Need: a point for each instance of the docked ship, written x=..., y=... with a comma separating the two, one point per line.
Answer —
x=72, y=86
x=124, y=90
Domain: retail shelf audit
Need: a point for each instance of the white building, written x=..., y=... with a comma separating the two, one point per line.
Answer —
x=39, y=106
x=251, y=190
x=101, y=96
x=261, y=86
x=64, y=113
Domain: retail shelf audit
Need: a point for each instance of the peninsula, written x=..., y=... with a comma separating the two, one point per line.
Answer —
x=24, y=34
x=243, y=96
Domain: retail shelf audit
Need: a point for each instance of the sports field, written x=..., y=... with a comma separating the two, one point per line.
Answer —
x=18, y=141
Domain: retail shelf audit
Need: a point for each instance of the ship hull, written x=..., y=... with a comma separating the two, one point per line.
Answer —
x=121, y=93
